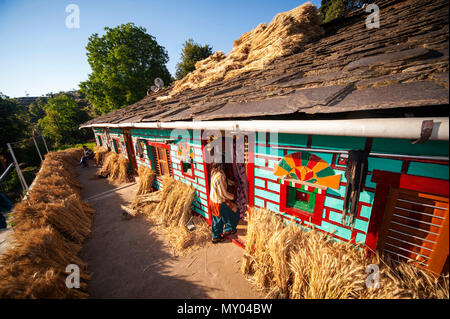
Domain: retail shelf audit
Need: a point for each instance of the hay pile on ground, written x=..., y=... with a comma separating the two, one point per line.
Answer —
x=287, y=33
x=146, y=179
x=115, y=168
x=171, y=210
x=100, y=153
x=286, y=262
x=50, y=226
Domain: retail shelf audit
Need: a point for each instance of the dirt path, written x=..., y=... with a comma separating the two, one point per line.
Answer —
x=127, y=259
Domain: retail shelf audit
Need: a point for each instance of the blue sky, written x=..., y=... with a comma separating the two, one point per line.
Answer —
x=40, y=55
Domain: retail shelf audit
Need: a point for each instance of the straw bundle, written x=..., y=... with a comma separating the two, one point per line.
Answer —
x=50, y=226
x=115, y=167
x=170, y=210
x=287, y=262
x=146, y=178
x=35, y=267
x=100, y=153
x=287, y=33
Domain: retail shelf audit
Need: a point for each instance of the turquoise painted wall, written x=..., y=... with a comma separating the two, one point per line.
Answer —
x=268, y=196
x=266, y=188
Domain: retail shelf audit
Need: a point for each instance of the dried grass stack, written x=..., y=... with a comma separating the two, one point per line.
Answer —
x=100, y=153
x=287, y=33
x=50, y=226
x=172, y=211
x=287, y=262
x=115, y=167
x=146, y=179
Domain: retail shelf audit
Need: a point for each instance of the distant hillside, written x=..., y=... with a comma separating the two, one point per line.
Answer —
x=27, y=100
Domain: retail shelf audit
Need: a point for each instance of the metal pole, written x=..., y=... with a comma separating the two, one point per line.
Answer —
x=39, y=152
x=6, y=171
x=44, y=142
x=19, y=172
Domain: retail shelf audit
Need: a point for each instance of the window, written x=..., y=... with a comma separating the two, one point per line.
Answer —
x=302, y=200
x=187, y=168
x=185, y=153
x=140, y=144
x=115, y=145
x=99, y=140
x=161, y=162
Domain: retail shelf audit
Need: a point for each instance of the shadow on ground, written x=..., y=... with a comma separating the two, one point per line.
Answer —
x=125, y=258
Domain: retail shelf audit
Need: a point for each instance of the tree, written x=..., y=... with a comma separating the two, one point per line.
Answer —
x=192, y=52
x=13, y=124
x=333, y=9
x=36, y=109
x=124, y=62
x=62, y=118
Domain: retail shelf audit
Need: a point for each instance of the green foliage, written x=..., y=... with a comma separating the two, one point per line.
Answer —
x=124, y=62
x=11, y=186
x=333, y=9
x=13, y=123
x=36, y=109
x=62, y=118
x=192, y=52
x=89, y=145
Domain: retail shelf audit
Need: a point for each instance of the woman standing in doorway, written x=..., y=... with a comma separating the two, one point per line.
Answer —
x=223, y=210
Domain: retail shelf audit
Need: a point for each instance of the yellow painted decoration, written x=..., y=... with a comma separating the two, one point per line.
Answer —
x=313, y=166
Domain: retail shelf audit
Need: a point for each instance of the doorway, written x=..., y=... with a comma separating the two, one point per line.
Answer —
x=130, y=150
x=239, y=169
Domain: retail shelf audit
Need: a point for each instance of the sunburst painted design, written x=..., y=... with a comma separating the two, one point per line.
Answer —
x=307, y=167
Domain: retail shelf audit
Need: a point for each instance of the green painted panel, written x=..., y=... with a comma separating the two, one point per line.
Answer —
x=325, y=172
x=405, y=147
x=259, y=202
x=340, y=192
x=267, y=195
x=429, y=170
x=366, y=197
x=383, y=164
x=273, y=207
x=360, y=238
x=265, y=173
x=336, y=230
x=273, y=186
x=260, y=182
x=334, y=203
x=307, y=206
x=338, y=142
x=365, y=211
x=293, y=140
x=361, y=225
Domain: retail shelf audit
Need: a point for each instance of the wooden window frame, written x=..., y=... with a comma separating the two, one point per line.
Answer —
x=314, y=217
x=157, y=161
x=99, y=140
x=116, y=144
x=192, y=176
x=143, y=145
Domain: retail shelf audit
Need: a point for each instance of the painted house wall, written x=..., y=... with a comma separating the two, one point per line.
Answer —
x=267, y=189
x=198, y=181
x=115, y=134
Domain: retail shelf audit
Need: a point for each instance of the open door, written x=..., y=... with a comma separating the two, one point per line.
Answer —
x=130, y=150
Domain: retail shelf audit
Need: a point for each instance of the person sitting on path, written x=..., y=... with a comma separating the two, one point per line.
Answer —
x=88, y=154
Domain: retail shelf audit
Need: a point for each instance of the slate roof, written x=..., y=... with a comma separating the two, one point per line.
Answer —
x=404, y=63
